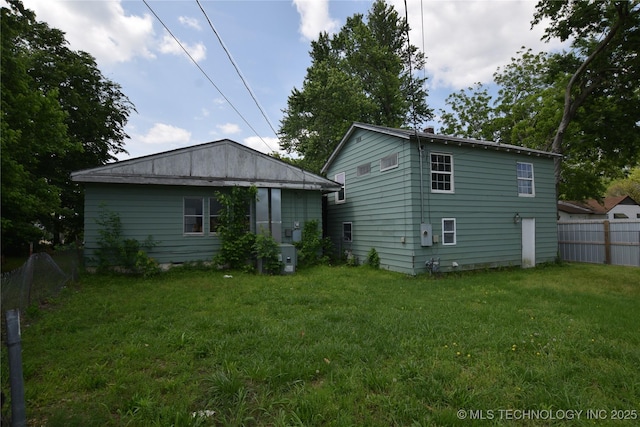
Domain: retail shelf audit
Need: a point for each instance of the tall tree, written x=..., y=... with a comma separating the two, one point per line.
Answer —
x=602, y=137
x=59, y=114
x=363, y=73
x=607, y=34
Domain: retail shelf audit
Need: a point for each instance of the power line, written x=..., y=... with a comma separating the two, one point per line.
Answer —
x=205, y=74
x=235, y=65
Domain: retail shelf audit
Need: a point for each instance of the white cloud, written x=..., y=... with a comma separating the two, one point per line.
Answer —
x=229, y=128
x=100, y=28
x=168, y=45
x=265, y=145
x=190, y=22
x=162, y=133
x=466, y=41
x=314, y=18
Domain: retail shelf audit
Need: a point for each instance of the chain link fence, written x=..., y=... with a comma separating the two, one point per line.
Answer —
x=40, y=277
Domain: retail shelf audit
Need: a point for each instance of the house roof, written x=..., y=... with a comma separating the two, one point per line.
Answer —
x=593, y=206
x=413, y=135
x=216, y=164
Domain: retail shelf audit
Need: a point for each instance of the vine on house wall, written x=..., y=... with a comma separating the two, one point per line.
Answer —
x=234, y=231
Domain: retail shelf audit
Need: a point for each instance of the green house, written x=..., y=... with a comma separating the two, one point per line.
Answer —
x=171, y=196
x=430, y=202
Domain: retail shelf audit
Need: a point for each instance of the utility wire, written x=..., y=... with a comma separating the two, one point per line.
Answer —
x=235, y=65
x=205, y=74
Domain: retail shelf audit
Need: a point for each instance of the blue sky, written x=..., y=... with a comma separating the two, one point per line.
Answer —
x=269, y=40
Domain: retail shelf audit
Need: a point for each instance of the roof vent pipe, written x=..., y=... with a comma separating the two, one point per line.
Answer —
x=429, y=129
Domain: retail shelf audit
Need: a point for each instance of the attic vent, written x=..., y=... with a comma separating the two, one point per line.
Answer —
x=389, y=162
x=363, y=169
x=358, y=138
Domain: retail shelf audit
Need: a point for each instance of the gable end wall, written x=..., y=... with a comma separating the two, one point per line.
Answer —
x=385, y=207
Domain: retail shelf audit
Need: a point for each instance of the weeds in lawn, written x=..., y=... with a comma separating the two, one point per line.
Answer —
x=333, y=346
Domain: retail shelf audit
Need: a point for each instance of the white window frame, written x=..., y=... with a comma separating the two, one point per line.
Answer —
x=453, y=232
x=525, y=179
x=391, y=157
x=344, y=237
x=341, y=178
x=192, y=216
x=450, y=173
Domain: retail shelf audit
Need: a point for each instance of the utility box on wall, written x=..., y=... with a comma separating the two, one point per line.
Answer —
x=288, y=258
x=426, y=235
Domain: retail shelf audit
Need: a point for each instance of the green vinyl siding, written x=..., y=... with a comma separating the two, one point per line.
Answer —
x=149, y=210
x=378, y=204
x=385, y=207
x=157, y=211
x=299, y=207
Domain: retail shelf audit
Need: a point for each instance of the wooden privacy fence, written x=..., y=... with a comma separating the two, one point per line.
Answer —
x=601, y=242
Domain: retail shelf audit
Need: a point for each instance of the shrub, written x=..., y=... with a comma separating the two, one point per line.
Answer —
x=267, y=252
x=312, y=248
x=115, y=251
x=373, y=259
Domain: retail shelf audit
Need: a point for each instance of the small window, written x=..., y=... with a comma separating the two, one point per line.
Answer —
x=448, y=231
x=347, y=235
x=441, y=173
x=620, y=216
x=525, y=179
x=389, y=162
x=363, y=169
x=341, y=195
x=193, y=207
x=214, y=214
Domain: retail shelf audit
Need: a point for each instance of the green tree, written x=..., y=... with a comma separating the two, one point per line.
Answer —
x=33, y=129
x=363, y=73
x=628, y=186
x=606, y=39
x=59, y=114
x=601, y=142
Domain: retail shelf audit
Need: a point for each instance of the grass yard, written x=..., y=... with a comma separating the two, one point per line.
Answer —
x=338, y=346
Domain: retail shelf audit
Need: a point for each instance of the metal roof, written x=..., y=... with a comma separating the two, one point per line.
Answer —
x=413, y=135
x=215, y=164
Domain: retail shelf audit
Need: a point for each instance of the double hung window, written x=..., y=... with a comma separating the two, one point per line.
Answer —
x=526, y=186
x=448, y=231
x=193, y=215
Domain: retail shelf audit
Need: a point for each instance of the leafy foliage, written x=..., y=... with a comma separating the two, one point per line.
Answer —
x=267, y=252
x=361, y=74
x=629, y=186
x=116, y=251
x=312, y=248
x=373, y=259
x=606, y=38
x=601, y=142
x=236, y=238
x=59, y=114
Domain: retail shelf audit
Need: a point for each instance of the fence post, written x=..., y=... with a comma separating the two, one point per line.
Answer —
x=607, y=243
x=18, y=415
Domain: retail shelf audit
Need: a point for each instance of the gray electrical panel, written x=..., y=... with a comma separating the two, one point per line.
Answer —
x=426, y=235
x=288, y=258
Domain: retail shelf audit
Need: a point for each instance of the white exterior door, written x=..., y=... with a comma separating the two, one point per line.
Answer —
x=528, y=242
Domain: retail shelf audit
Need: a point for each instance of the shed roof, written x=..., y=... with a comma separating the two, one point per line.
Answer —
x=217, y=164
x=413, y=135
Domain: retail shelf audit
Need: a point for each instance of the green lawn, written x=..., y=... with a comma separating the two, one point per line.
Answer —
x=338, y=346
